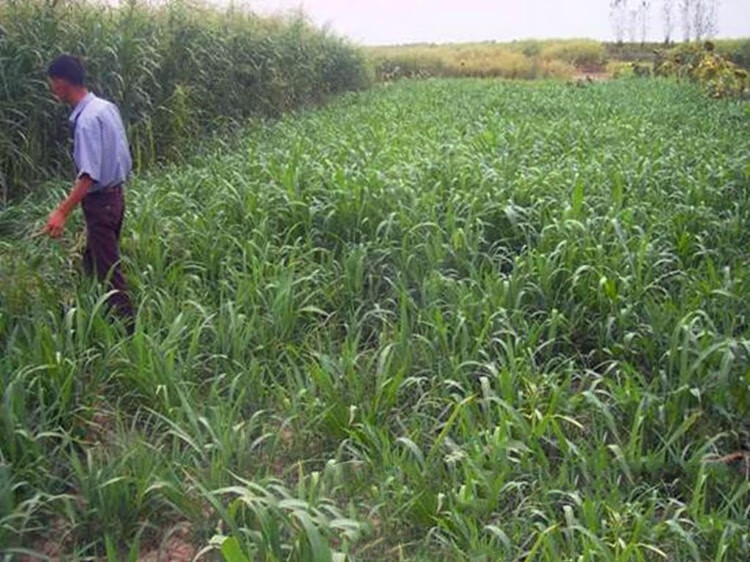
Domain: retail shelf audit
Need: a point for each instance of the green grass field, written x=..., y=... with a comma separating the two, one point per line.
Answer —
x=438, y=320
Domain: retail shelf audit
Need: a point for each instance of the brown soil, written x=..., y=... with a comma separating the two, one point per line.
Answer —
x=592, y=77
x=174, y=547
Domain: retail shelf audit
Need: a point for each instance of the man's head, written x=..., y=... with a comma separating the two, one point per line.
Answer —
x=66, y=79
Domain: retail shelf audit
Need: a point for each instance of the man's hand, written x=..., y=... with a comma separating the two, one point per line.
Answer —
x=56, y=220
x=55, y=223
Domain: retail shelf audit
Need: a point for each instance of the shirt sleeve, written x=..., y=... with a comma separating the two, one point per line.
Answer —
x=87, y=150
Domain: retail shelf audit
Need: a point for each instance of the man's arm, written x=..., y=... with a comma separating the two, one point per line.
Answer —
x=56, y=220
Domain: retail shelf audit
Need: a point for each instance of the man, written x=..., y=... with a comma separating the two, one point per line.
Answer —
x=103, y=162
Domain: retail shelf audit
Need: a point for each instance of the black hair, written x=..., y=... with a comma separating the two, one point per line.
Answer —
x=68, y=68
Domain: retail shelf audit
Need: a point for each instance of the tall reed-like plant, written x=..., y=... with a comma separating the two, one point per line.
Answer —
x=176, y=69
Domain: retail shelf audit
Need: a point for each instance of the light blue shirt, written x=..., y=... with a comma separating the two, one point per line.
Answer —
x=100, y=144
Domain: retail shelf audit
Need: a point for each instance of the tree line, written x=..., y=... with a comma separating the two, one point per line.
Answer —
x=696, y=19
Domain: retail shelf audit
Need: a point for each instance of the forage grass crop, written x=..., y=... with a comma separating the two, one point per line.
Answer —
x=438, y=320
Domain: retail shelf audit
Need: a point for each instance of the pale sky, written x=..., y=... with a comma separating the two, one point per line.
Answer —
x=375, y=22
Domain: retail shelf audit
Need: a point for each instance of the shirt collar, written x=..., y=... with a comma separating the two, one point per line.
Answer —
x=78, y=109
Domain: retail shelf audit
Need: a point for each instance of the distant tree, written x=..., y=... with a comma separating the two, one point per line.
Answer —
x=667, y=16
x=712, y=29
x=686, y=10
x=633, y=25
x=644, y=13
x=618, y=16
x=699, y=19
x=705, y=19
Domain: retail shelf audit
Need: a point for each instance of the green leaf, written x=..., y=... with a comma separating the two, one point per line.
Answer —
x=576, y=199
x=320, y=550
x=230, y=549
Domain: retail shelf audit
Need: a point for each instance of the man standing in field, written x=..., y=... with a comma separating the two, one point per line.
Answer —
x=103, y=163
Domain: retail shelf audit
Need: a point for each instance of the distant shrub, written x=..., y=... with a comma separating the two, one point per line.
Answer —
x=408, y=66
x=619, y=69
x=583, y=54
x=556, y=69
x=641, y=69
x=719, y=76
x=737, y=51
x=632, y=52
x=532, y=49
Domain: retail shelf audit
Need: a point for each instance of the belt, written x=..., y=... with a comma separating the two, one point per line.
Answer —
x=105, y=190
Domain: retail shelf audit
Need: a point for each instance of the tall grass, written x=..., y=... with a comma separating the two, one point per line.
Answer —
x=444, y=320
x=583, y=54
x=516, y=61
x=177, y=69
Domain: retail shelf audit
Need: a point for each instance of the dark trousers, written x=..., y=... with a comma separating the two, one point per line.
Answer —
x=104, y=211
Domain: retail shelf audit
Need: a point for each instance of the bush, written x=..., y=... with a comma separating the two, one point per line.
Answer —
x=632, y=52
x=583, y=54
x=738, y=53
x=620, y=69
x=176, y=70
x=408, y=66
x=719, y=76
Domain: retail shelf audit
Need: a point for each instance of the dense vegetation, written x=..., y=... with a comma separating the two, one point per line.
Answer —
x=520, y=59
x=176, y=69
x=738, y=50
x=717, y=73
x=528, y=59
x=430, y=321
